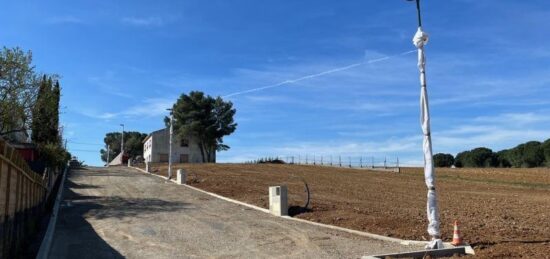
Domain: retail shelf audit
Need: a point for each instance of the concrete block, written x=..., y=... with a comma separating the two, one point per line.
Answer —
x=129, y=162
x=278, y=200
x=181, y=176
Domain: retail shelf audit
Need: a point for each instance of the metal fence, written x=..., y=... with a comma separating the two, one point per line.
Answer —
x=367, y=162
x=22, y=195
x=342, y=161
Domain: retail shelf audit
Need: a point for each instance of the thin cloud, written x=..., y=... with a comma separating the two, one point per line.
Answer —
x=150, y=21
x=150, y=107
x=66, y=19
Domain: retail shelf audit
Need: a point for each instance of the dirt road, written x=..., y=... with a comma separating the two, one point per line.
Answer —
x=118, y=212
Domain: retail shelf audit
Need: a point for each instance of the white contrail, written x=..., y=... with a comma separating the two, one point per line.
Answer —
x=318, y=74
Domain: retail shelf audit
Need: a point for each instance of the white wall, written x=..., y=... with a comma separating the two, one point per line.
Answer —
x=157, y=144
x=147, y=150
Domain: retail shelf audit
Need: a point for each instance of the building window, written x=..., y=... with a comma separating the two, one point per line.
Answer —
x=184, y=143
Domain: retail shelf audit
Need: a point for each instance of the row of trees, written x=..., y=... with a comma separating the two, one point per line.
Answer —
x=529, y=154
x=195, y=115
x=30, y=102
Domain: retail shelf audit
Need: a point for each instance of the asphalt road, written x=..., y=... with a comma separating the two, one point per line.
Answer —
x=119, y=212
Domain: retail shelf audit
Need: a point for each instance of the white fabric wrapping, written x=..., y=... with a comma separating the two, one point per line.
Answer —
x=420, y=39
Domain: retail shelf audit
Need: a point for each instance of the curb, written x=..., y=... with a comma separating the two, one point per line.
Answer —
x=347, y=230
x=44, y=250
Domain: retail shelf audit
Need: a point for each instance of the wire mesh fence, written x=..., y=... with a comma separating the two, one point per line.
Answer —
x=334, y=160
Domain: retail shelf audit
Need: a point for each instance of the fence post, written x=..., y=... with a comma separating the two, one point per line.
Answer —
x=384, y=162
x=321, y=160
x=361, y=161
x=314, y=159
x=349, y=162
x=340, y=161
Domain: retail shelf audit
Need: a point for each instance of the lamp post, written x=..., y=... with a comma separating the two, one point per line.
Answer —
x=420, y=39
x=170, y=144
x=122, y=141
x=108, y=155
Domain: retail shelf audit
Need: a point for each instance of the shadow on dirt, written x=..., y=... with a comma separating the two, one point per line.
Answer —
x=297, y=210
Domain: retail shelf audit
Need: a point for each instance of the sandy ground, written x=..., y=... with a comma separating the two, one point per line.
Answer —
x=503, y=213
x=118, y=213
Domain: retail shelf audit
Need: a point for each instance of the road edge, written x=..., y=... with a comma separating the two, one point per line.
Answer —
x=46, y=245
x=347, y=230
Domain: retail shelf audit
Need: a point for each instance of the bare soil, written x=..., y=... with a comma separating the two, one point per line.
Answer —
x=503, y=213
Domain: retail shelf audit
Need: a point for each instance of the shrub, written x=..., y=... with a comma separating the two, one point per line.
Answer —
x=53, y=155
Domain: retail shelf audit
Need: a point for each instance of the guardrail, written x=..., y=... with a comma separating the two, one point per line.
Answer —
x=22, y=196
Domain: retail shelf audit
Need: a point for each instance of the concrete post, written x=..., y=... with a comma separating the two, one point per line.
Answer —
x=181, y=175
x=147, y=169
x=278, y=200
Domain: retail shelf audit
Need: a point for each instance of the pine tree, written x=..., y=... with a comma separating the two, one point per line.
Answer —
x=45, y=122
x=56, y=98
x=39, y=124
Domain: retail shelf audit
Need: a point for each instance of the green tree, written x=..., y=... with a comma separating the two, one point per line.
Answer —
x=45, y=116
x=56, y=99
x=529, y=154
x=546, y=151
x=503, y=158
x=477, y=157
x=54, y=155
x=133, y=145
x=533, y=154
x=443, y=160
x=18, y=89
x=205, y=119
x=461, y=158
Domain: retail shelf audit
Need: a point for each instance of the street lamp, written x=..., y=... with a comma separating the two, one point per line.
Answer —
x=122, y=141
x=108, y=155
x=170, y=146
x=420, y=40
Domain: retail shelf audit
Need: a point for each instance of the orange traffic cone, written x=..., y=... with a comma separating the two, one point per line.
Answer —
x=457, y=238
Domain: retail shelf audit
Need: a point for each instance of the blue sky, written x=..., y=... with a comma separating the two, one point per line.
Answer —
x=488, y=68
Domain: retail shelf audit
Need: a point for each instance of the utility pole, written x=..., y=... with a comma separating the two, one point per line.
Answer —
x=170, y=145
x=108, y=154
x=122, y=141
x=397, y=162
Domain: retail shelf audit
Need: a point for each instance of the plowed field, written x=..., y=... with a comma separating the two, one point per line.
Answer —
x=503, y=213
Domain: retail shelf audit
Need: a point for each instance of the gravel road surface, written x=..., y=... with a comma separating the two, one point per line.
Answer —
x=119, y=212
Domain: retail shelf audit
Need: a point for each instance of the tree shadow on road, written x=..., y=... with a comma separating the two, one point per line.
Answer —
x=75, y=237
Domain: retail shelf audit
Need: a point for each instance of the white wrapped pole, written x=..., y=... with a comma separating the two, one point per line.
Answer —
x=420, y=39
